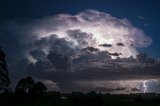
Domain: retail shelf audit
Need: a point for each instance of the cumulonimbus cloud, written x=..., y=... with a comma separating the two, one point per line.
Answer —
x=87, y=28
x=82, y=42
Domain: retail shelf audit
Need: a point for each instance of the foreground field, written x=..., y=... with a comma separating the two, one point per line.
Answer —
x=80, y=99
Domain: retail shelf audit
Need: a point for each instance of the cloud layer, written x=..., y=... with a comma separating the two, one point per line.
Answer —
x=72, y=51
x=87, y=28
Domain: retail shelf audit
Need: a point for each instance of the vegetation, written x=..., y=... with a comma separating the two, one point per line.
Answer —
x=29, y=93
x=80, y=99
x=4, y=74
x=27, y=86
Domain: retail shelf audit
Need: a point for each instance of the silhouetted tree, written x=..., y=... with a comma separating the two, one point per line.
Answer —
x=38, y=89
x=29, y=83
x=24, y=86
x=28, y=86
x=4, y=74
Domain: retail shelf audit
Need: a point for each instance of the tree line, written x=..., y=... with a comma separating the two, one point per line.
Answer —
x=26, y=86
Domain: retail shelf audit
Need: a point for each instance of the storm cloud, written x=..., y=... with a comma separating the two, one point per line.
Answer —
x=87, y=28
x=69, y=51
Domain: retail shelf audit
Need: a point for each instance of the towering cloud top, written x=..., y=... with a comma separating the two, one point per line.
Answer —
x=68, y=50
x=87, y=28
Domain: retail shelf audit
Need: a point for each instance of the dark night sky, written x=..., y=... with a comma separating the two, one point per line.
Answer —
x=76, y=50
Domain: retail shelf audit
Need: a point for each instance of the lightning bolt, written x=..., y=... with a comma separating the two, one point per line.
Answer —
x=144, y=87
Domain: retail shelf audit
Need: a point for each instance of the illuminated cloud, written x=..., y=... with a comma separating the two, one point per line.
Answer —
x=51, y=85
x=80, y=50
x=87, y=28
